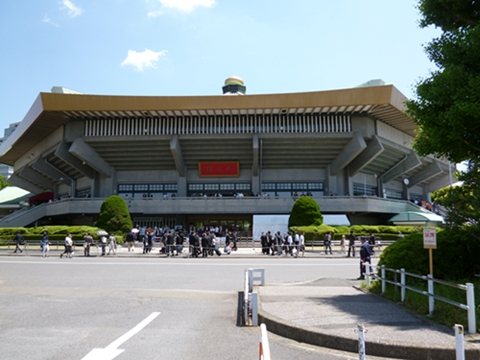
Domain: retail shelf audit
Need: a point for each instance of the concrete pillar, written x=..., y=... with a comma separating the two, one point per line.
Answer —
x=182, y=185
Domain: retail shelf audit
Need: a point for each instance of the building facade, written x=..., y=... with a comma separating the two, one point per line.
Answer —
x=183, y=160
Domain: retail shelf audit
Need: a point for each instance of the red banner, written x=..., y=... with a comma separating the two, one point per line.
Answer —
x=219, y=169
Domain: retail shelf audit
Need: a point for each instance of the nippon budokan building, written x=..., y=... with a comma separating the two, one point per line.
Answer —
x=219, y=160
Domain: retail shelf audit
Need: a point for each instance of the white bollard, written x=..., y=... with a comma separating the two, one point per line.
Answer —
x=361, y=341
x=431, y=299
x=253, y=297
x=403, y=281
x=472, y=323
x=459, y=344
x=264, y=353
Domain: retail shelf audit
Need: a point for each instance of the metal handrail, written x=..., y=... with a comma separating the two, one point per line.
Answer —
x=468, y=288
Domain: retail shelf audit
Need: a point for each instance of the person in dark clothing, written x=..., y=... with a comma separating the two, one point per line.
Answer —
x=149, y=241
x=351, y=244
x=179, y=242
x=371, y=242
x=327, y=243
x=365, y=253
x=18, y=241
x=205, y=245
x=130, y=239
x=264, y=242
x=194, y=244
x=234, y=240
x=169, y=241
x=278, y=243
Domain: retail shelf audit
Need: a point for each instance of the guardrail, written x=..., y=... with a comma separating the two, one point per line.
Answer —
x=250, y=298
x=468, y=288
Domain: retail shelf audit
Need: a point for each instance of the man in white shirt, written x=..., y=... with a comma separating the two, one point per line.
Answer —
x=302, y=243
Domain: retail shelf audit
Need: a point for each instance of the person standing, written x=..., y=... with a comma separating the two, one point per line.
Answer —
x=302, y=243
x=19, y=240
x=169, y=241
x=290, y=243
x=365, y=257
x=371, y=242
x=130, y=241
x=278, y=243
x=44, y=243
x=68, y=247
x=296, y=241
x=351, y=244
x=263, y=241
x=234, y=240
x=194, y=244
x=327, y=243
x=342, y=245
x=103, y=244
x=88, y=240
x=205, y=245
x=112, y=244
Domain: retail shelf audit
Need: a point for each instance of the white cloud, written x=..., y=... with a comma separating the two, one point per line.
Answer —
x=71, y=8
x=187, y=5
x=47, y=20
x=154, y=13
x=141, y=60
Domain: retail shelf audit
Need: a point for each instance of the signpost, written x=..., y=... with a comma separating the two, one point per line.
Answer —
x=430, y=242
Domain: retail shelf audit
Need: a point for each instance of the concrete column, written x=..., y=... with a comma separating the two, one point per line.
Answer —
x=256, y=186
x=182, y=185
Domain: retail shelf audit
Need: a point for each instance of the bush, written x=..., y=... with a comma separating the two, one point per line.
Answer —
x=456, y=256
x=312, y=233
x=305, y=212
x=114, y=216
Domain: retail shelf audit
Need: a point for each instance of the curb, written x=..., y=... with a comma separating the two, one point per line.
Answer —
x=392, y=350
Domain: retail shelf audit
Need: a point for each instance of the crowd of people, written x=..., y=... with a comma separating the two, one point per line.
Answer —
x=204, y=242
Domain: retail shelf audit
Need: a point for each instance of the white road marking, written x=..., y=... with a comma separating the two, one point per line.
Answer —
x=112, y=351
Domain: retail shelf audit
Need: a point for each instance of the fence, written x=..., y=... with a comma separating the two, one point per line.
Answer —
x=468, y=287
x=250, y=298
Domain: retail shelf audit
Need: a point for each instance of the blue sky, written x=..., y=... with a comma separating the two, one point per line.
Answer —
x=189, y=47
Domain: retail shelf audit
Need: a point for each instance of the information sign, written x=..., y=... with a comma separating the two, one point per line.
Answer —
x=429, y=239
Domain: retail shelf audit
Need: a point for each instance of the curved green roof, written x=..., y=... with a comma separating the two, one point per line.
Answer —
x=416, y=216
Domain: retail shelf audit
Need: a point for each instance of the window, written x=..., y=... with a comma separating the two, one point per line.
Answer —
x=125, y=187
x=227, y=186
x=211, y=187
x=170, y=187
x=393, y=194
x=362, y=189
x=195, y=187
x=284, y=186
x=140, y=187
x=242, y=186
x=315, y=186
x=299, y=186
x=268, y=186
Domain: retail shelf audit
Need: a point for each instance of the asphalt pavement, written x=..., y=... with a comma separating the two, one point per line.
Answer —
x=327, y=311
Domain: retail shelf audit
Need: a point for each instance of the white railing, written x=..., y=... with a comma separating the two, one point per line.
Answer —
x=468, y=287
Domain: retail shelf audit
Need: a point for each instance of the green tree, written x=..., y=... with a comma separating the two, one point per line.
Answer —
x=114, y=215
x=447, y=103
x=3, y=182
x=462, y=202
x=446, y=107
x=305, y=212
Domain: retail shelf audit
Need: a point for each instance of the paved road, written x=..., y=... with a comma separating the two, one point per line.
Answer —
x=65, y=308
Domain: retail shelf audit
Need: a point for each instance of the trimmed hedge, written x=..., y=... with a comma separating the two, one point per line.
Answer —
x=316, y=233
